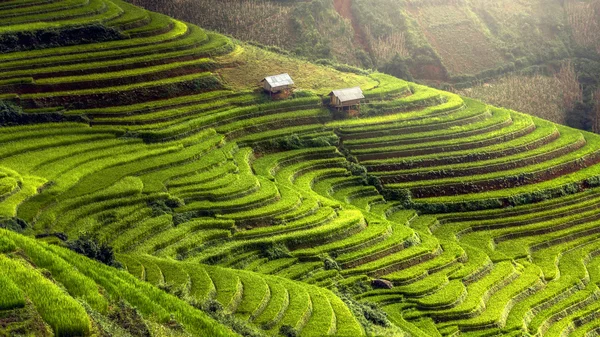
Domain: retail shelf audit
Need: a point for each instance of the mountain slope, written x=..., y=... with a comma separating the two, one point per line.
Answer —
x=159, y=141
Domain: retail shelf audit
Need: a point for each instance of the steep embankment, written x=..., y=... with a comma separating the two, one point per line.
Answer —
x=279, y=214
x=344, y=8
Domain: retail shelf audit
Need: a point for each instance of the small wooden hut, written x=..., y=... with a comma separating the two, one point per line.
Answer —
x=349, y=97
x=277, y=83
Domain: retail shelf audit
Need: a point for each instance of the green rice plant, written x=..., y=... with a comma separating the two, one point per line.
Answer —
x=281, y=117
x=347, y=221
x=7, y=245
x=152, y=273
x=401, y=236
x=256, y=296
x=158, y=23
x=56, y=141
x=229, y=288
x=478, y=292
x=276, y=306
x=266, y=136
x=454, y=102
x=197, y=123
x=347, y=324
x=288, y=174
x=174, y=275
x=388, y=86
x=419, y=98
x=195, y=231
x=199, y=64
x=131, y=14
x=224, y=170
x=145, y=107
x=500, y=303
x=75, y=283
x=94, y=10
x=394, y=312
x=494, y=136
x=375, y=231
x=149, y=160
x=178, y=113
x=449, y=294
x=71, y=221
x=28, y=188
x=451, y=253
x=149, y=300
x=120, y=88
x=322, y=215
x=307, y=181
x=322, y=320
x=299, y=271
x=274, y=266
x=549, y=151
x=229, y=199
x=554, y=292
x=424, y=286
x=193, y=240
x=11, y=297
x=121, y=47
x=289, y=201
x=132, y=265
x=202, y=288
x=70, y=320
x=133, y=236
x=429, y=246
x=499, y=117
x=41, y=8
x=299, y=309
x=559, y=204
x=307, y=207
x=529, y=171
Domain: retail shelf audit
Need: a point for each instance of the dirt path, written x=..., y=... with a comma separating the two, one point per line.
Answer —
x=344, y=8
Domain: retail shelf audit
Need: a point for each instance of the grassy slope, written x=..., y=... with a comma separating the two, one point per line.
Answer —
x=458, y=40
x=188, y=163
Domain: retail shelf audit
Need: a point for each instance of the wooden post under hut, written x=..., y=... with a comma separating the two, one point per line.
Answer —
x=349, y=97
x=276, y=84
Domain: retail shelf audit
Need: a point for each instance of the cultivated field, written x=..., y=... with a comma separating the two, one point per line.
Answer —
x=234, y=213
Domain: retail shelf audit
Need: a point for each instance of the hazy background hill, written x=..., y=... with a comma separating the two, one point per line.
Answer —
x=536, y=56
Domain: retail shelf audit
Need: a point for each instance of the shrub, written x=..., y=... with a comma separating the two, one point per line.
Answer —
x=14, y=224
x=288, y=331
x=9, y=113
x=12, y=114
x=215, y=309
x=402, y=195
x=129, y=319
x=90, y=246
x=166, y=206
x=274, y=251
x=331, y=264
x=294, y=142
x=6, y=245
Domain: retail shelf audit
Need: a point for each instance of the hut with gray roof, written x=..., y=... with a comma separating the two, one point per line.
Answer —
x=277, y=83
x=348, y=97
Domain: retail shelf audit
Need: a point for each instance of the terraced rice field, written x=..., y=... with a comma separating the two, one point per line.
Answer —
x=484, y=219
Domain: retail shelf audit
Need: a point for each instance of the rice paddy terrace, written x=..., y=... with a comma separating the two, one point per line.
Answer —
x=278, y=212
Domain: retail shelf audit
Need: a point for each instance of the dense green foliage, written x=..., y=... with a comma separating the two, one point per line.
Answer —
x=235, y=212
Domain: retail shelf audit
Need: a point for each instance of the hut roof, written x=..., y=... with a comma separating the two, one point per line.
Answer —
x=279, y=80
x=348, y=94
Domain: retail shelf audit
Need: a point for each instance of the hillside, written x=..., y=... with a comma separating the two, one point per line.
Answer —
x=491, y=47
x=232, y=211
x=452, y=41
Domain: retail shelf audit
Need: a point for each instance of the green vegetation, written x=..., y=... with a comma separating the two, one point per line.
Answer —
x=231, y=211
